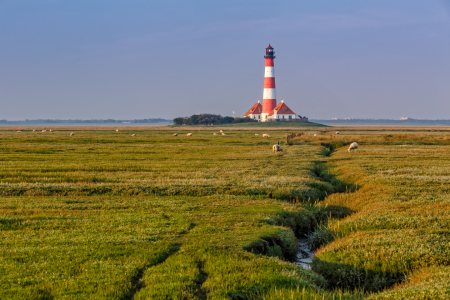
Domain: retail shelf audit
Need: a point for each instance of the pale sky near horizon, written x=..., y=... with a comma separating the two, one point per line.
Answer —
x=149, y=59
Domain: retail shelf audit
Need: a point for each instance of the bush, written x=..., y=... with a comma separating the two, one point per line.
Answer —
x=208, y=119
x=321, y=236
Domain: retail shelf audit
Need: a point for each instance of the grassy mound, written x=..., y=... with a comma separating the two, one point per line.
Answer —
x=286, y=124
x=401, y=222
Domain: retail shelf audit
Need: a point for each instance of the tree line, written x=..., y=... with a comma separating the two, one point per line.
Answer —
x=208, y=119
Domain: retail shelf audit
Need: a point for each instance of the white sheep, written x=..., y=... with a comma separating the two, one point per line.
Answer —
x=189, y=134
x=266, y=135
x=223, y=133
x=134, y=134
x=175, y=134
x=34, y=130
x=337, y=132
x=51, y=130
x=214, y=133
x=117, y=130
x=315, y=134
x=18, y=131
x=221, y=130
x=44, y=130
x=277, y=148
x=353, y=146
x=256, y=133
x=72, y=134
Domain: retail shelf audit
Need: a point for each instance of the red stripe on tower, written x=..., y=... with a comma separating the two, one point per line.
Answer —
x=269, y=96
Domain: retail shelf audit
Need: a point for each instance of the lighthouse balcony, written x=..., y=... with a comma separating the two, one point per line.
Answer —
x=269, y=56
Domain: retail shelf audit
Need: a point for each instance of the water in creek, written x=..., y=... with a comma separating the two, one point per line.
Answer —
x=304, y=254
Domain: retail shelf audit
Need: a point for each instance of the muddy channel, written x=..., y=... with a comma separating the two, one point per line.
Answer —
x=304, y=255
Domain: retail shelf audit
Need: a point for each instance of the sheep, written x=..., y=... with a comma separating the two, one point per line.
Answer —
x=51, y=130
x=277, y=148
x=134, y=134
x=34, y=130
x=256, y=133
x=189, y=134
x=72, y=134
x=221, y=130
x=266, y=135
x=175, y=134
x=44, y=130
x=353, y=146
x=223, y=133
x=337, y=132
x=315, y=134
x=117, y=130
x=214, y=133
x=18, y=131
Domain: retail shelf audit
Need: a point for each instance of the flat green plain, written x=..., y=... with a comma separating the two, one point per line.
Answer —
x=107, y=215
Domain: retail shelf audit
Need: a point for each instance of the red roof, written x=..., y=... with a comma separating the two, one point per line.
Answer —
x=270, y=47
x=255, y=110
x=282, y=109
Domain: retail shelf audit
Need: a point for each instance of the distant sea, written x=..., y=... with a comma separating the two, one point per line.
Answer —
x=82, y=124
x=407, y=122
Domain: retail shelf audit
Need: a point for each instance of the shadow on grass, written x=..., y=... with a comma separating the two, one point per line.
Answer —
x=136, y=280
x=348, y=277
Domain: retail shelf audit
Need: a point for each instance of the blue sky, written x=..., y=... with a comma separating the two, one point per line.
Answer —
x=148, y=59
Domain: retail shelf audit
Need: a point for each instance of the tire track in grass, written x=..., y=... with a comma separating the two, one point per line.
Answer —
x=200, y=292
x=136, y=281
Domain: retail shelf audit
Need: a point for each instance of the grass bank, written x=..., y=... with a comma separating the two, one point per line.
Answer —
x=397, y=236
x=107, y=215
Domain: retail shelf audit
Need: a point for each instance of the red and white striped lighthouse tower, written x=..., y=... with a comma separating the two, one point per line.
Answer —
x=270, y=111
x=269, y=95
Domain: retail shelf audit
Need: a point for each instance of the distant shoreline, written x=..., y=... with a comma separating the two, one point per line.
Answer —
x=383, y=122
x=28, y=124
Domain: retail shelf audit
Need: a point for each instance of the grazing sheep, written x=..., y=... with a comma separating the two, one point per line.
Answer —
x=221, y=130
x=315, y=134
x=214, y=133
x=337, y=132
x=189, y=134
x=72, y=134
x=175, y=134
x=18, y=131
x=223, y=133
x=34, y=130
x=117, y=130
x=277, y=148
x=266, y=135
x=44, y=130
x=134, y=134
x=51, y=130
x=256, y=133
x=353, y=146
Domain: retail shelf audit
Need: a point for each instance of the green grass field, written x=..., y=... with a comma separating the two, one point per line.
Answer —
x=256, y=125
x=104, y=215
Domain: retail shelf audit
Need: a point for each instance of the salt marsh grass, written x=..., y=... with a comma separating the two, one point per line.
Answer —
x=401, y=220
x=103, y=215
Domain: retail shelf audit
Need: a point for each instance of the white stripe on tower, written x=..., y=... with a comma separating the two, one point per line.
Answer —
x=270, y=72
x=270, y=94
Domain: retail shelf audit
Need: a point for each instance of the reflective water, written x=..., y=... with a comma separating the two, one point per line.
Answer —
x=304, y=254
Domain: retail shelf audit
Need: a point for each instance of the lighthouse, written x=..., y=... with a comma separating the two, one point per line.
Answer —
x=269, y=111
x=269, y=95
